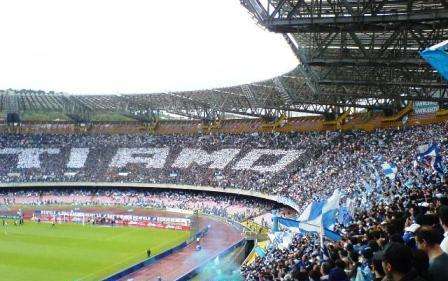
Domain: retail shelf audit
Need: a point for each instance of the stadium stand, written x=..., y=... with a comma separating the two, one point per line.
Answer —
x=228, y=206
x=385, y=206
x=377, y=138
x=301, y=158
x=316, y=163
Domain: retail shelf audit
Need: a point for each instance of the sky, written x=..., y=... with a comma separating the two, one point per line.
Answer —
x=134, y=46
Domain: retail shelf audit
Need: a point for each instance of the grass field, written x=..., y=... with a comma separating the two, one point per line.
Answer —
x=76, y=252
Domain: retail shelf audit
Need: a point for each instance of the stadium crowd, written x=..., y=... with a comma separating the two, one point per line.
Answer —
x=397, y=228
x=403, y=236
x=329, y=160
x=398, y=217
x=228, y=206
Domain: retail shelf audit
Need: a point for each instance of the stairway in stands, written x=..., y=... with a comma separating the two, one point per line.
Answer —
x=10, y=104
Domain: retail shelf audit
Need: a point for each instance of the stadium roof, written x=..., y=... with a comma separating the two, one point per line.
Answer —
x=353, y=54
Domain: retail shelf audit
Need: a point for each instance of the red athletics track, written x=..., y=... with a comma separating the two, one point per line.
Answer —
x=220, y=236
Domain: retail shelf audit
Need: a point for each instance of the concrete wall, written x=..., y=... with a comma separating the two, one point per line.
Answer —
x=280, y=199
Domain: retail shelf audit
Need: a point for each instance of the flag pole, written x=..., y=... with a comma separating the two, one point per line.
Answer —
x=321, y=232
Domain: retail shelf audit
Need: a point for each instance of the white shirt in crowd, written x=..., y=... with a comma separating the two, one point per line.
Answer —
x=444, y=244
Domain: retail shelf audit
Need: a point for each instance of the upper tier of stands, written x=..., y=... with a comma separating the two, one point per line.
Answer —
x=298, y=165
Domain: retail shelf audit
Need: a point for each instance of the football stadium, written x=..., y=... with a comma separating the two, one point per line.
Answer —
x=335, y=170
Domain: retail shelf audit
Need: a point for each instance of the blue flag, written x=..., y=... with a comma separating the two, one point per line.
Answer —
x=344, y=216
x=389, y=170
x=437, y=57
x=431, y=153
x=306, y=227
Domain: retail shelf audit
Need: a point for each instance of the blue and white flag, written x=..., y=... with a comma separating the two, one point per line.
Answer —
x=330, y=209
x=367, y=187
x=320, y=216
x=312, y=211
x=428, y=150
x=389, y=170
x=351, y=205
x=431, y=153
x=322, y=211
x=344, y=216
x=260, y=251
x=437, y=57
x=304, y=227
x=378, y=182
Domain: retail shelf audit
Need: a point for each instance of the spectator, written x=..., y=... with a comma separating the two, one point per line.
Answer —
x=338, y=272
x=421, y=263
x=397, y=263
x=324, y=271
x=233, y=207
x=382, y=209
x=377, y=268
x=428, y=240
x=443, y=217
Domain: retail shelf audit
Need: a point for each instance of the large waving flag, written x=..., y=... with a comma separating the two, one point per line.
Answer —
x=330, y=209
x=281, y=239
x=323, y=211
x=431, y=153
x=389, y=170
x=437, y=57
x=312, y=211
x=428, y=150
x=306, y=227
x=318, y=216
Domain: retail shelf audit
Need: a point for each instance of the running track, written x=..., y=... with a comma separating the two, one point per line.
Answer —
x=220, y=236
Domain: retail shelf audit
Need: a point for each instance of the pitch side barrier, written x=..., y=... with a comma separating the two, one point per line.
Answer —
x=154, y=259
x=195, y=271
x=279, y=199
x=198, y=269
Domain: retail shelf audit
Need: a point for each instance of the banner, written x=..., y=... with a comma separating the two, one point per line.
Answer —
x=112, y=219
x=146, y=158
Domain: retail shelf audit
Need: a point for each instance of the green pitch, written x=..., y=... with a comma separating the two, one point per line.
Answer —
x=76, y=252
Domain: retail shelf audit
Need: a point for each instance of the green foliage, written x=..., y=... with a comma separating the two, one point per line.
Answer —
x=76, y=252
